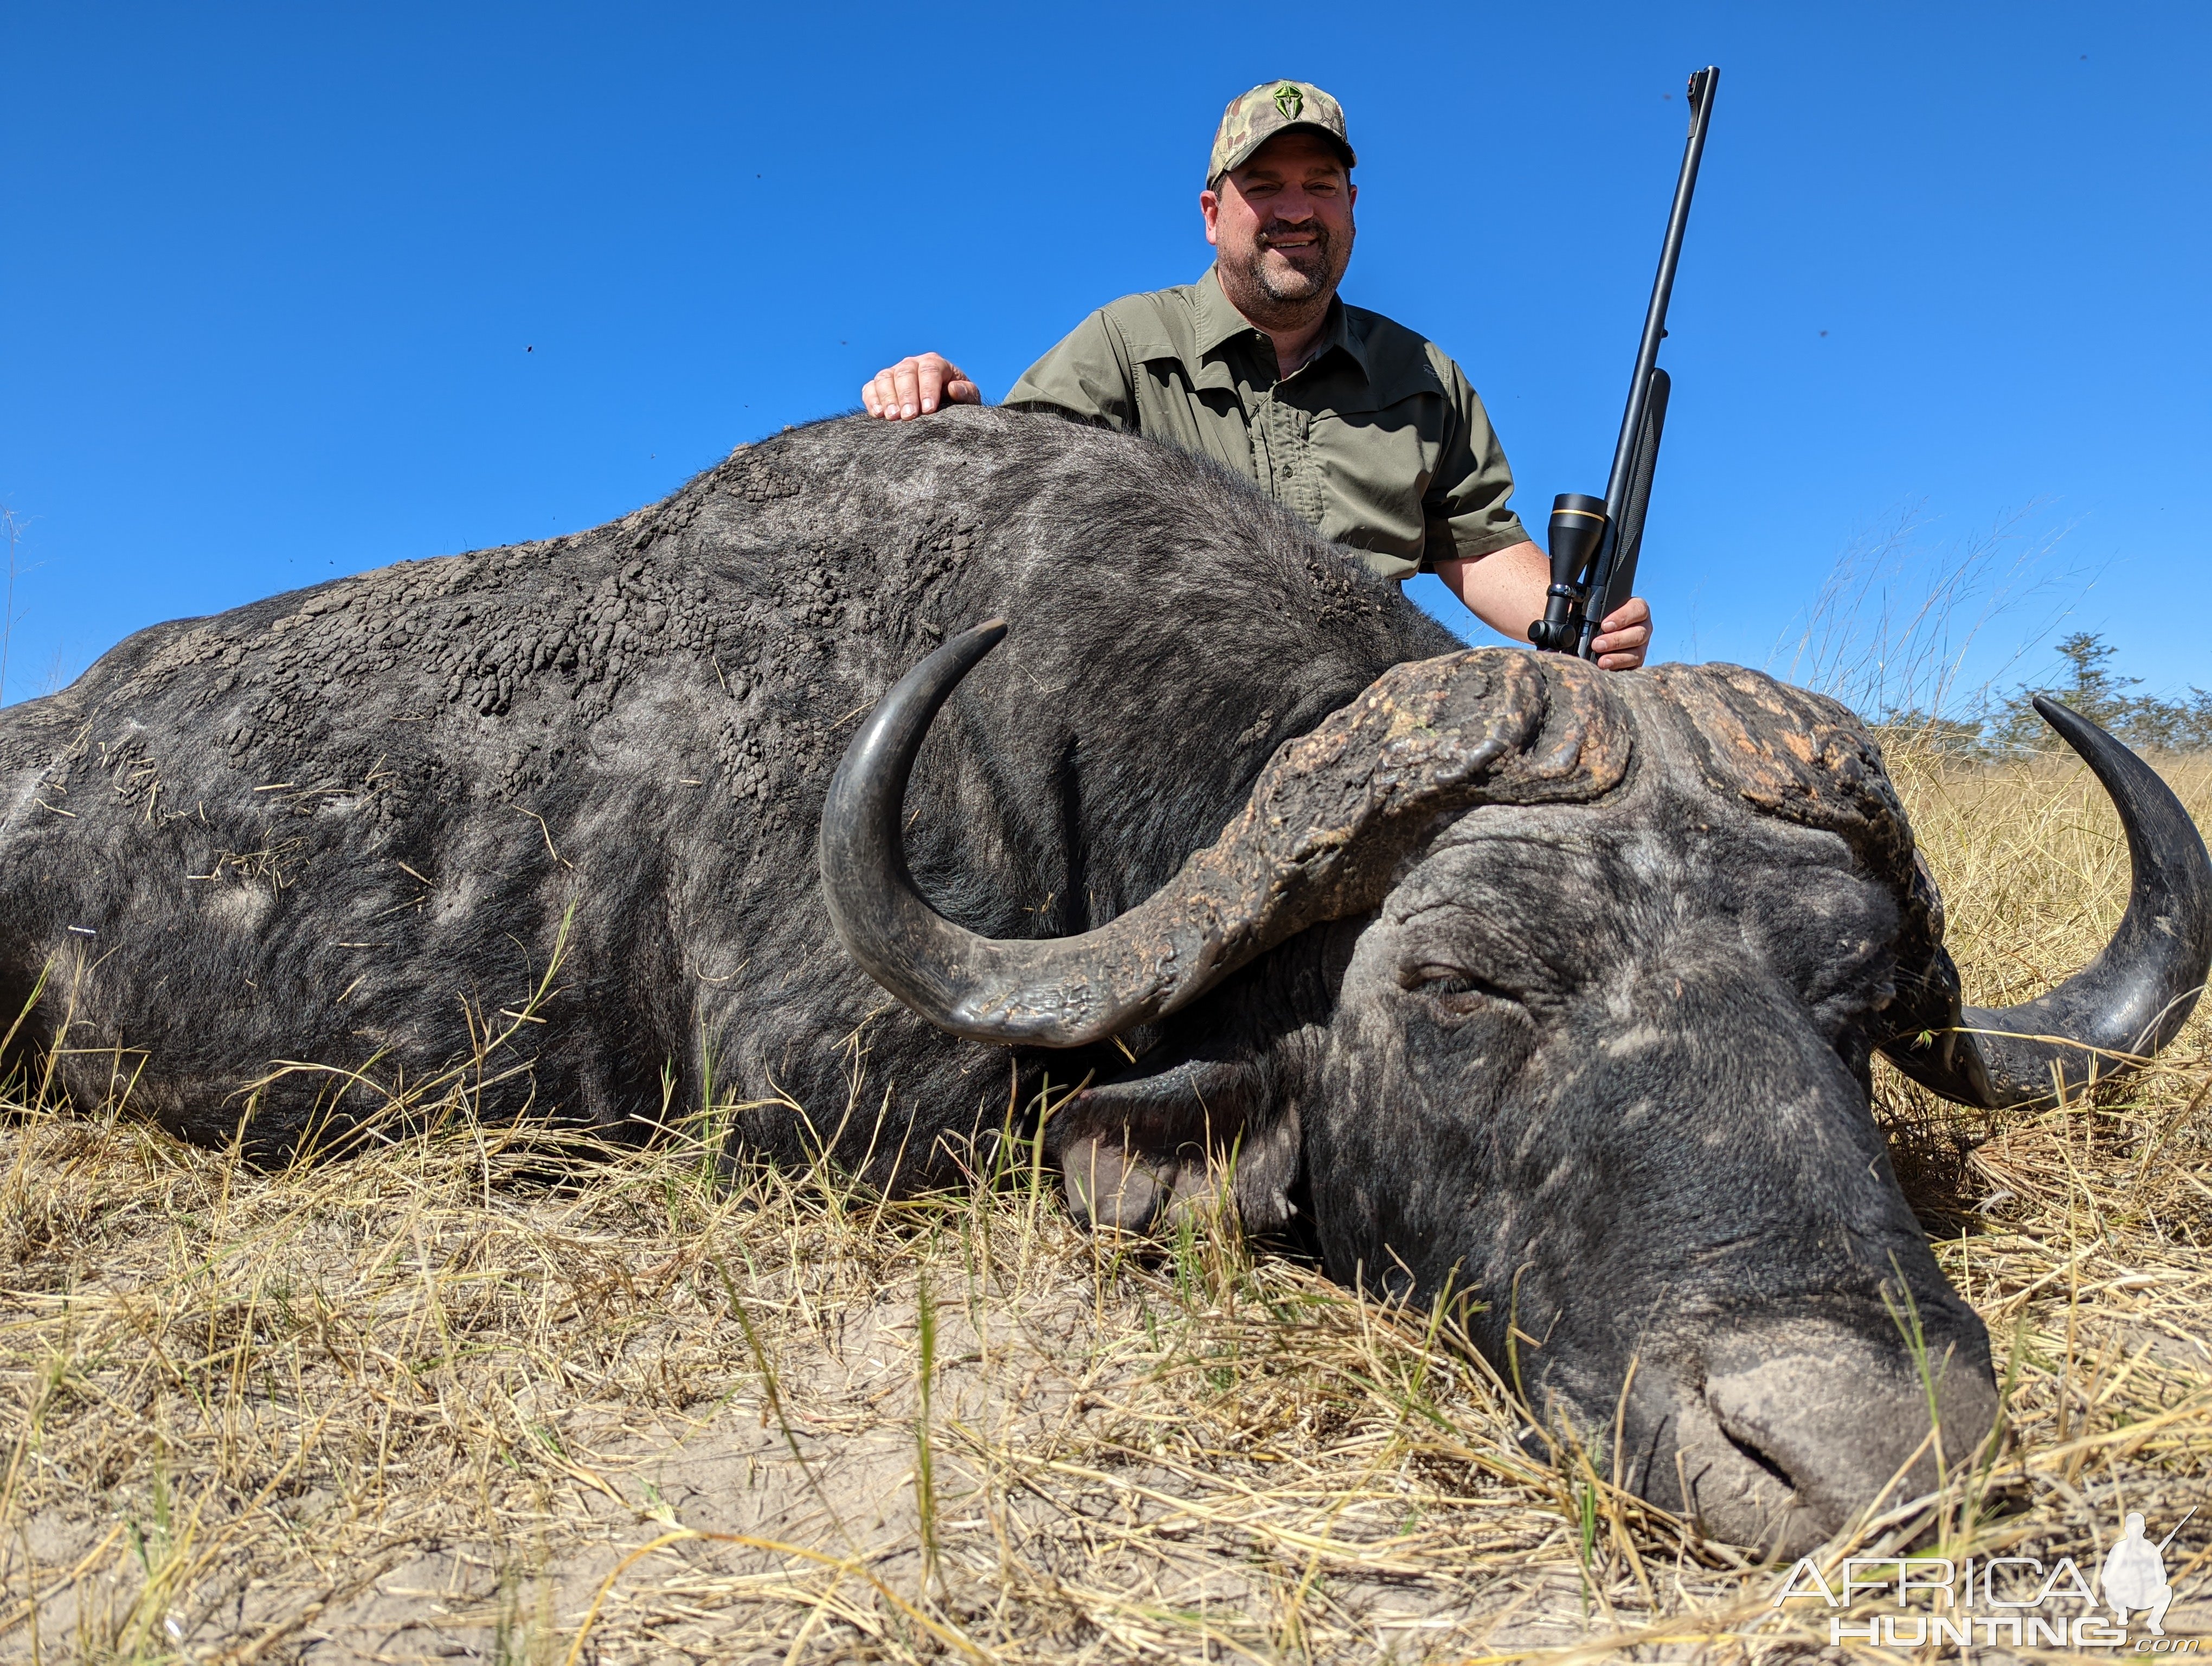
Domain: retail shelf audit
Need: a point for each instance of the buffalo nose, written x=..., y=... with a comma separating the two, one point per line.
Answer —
x=1800, y=1432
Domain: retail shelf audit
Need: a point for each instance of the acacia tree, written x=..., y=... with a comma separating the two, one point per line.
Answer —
x=2094, y=689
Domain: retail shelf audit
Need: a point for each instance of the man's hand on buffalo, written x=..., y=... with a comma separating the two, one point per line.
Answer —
x=1506, y=590
x=915, y=386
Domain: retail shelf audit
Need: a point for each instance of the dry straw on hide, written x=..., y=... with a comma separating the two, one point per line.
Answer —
x=463, y=1397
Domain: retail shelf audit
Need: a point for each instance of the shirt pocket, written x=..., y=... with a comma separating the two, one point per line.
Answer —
x=1375, y=469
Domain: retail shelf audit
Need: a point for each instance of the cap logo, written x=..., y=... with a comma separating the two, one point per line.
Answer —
x=1290, y=100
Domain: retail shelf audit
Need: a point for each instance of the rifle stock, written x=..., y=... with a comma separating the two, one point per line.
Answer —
x=1619, y=583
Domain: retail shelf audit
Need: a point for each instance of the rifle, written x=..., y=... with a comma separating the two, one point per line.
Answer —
x=2178, y=1526
x=1595, y=541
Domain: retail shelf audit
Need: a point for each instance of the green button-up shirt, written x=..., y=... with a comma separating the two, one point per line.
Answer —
x=1377, y=440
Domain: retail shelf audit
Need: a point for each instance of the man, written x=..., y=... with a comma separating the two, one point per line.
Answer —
x=1349, y=420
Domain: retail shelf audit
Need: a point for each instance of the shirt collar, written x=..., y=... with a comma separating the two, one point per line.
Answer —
x=1220, y=321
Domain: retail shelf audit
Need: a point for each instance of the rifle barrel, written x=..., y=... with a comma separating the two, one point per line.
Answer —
x=1619, y=484
x=2178, y=1526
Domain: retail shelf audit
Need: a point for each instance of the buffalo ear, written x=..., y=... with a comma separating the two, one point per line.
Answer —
x=1157, y=1139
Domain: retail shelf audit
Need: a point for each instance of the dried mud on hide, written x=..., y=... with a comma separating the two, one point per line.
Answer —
x=426, y=1404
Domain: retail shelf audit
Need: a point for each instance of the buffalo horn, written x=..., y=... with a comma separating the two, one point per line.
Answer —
x=1319, y=838
x=2124, y=1005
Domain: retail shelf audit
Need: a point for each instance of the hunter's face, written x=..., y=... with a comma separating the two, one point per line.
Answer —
x=1282, y=223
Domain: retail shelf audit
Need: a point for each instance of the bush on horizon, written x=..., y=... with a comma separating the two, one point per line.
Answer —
x=2009, y=726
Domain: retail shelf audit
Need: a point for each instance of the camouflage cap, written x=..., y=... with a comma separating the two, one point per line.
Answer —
x=1273, y=108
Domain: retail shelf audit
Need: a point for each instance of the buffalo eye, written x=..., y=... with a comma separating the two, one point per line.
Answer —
x=1457, y=992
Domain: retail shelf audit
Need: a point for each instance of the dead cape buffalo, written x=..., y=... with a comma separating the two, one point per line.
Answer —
x=1551, y=988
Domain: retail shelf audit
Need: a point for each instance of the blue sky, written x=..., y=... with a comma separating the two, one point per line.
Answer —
x=290, y=292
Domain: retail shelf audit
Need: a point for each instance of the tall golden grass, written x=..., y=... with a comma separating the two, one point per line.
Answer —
x=460, y=1398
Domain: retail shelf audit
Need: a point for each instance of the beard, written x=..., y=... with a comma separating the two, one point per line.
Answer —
x=1282, y=287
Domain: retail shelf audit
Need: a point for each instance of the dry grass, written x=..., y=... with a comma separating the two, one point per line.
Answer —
x=440, y=1402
